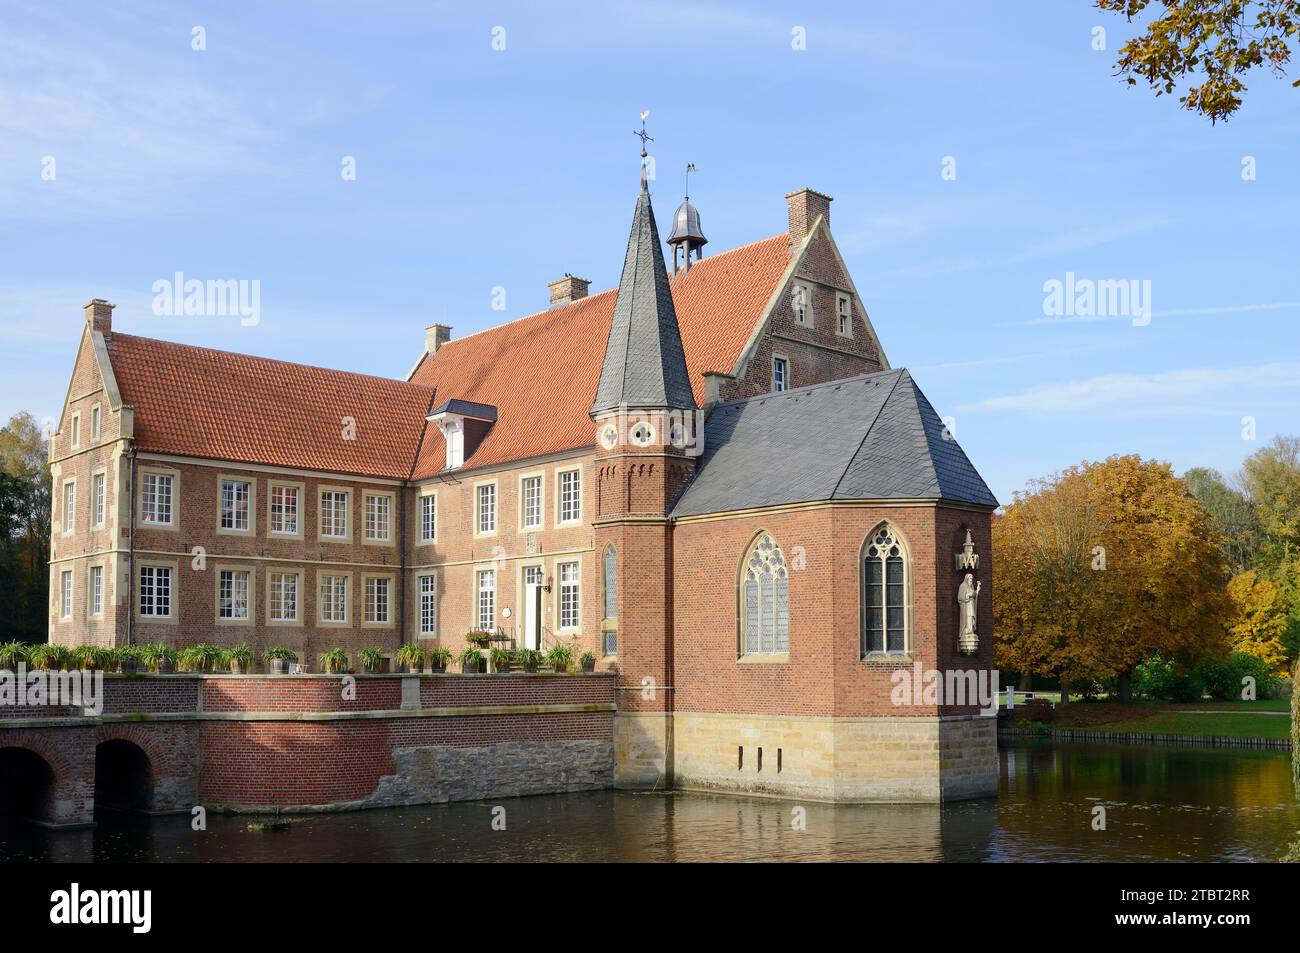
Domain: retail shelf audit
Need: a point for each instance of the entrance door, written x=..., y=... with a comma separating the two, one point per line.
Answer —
x=532, y=615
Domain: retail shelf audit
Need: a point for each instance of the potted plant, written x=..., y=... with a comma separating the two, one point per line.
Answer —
x=529, y=659
x=89, y=657
x=500, y=659
x=372, y=661
x=411, y=657
x=560, y=657
x=478, y=638
x=160, y=658
x=470, y=660
x=240, y=658
x=333, y=662
x=11, y=653
x=128, y=658
x=588, y=661
x=46, y=657
x=278, y=659
x=440, y=658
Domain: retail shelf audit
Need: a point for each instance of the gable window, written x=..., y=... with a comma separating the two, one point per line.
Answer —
x=97, y=497
x=69, y=505
x=428, y=605
x=334, y=599
x=232, y=594
x=884, y=594
x=156, y=498
x=284, y=597
x=379, y=509
x=65, y=594
x=570, y=496
x=609, y=626
x=844, y=316
x=96, y=594
x=428, y=518
x=284, y=509
x=334, y=514
x=531, y=502
x=453, y=434
x=487, y=508
x=801, y=303
x=780, y=374
x=156, y=591
x=487, y=599
x=570, y=595
x=378, y=589
x=76, y=431
x=94, y=423
x=764, y=599
x=235, y=495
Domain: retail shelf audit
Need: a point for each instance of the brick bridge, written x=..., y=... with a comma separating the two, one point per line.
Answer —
x=165, y=744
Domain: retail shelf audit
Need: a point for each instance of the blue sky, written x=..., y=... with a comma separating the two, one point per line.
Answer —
x=479, y=169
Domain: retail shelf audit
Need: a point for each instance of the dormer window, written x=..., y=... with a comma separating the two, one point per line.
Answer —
x=464, y=424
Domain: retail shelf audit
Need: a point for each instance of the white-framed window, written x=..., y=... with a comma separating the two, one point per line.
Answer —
x=486, y=616
x=570, y=495
x=285, y=504
x=530, y=501
x=570, y=594
x=379, y=517
x=95, y=425
x=378, y=592
x=95, y=591
x=429, y=604
x=334, y=599
x=801, y=303
x=885, y=606
x=69, y=506
x=764, y=599
x=232, y=594
x=486, y=508
x=844, y=315
x=283, y=605
x=780, y=374
x=98, y=497
x=334, y=514
x=156, y=591
x=428, y=518
x=156, y=498
x=236, y=497
x=76, y=430
x=453, y=434
x=65, y=594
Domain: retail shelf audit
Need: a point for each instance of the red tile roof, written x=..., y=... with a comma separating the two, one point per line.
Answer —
x=198, y=402
x=540, y=372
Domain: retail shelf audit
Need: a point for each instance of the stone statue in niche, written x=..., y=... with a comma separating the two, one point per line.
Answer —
x=968, y=594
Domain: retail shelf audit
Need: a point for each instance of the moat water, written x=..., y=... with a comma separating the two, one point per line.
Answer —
x=1161, y=804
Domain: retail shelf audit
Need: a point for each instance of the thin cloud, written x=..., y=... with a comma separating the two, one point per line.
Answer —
x=1166, y=313
x=1162, y=392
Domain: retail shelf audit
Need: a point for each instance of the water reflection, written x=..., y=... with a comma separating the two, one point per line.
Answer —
x=1161, y=804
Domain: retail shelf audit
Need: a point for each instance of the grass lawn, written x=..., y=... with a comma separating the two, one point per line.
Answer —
x=1260, y=719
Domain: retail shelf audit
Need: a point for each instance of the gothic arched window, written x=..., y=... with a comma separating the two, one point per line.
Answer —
x=764, y=599
x=884, y=594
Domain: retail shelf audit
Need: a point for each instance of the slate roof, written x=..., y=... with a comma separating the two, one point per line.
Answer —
x=872, y=437
x=644, y=365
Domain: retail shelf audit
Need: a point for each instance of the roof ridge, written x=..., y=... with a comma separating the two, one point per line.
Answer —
x=808, y=388
x=118, y=335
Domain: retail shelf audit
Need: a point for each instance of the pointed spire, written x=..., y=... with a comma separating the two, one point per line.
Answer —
x=645, y=366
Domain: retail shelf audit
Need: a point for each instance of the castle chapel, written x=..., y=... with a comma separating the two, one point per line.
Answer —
x=710, y=477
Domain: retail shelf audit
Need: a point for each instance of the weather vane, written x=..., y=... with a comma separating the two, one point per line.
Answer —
x=643, y=135
x=690, y=167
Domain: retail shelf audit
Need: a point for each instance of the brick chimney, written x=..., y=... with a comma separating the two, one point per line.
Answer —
x=805, y=206
x=568, y=290
x=435, y=336
x=99, y=315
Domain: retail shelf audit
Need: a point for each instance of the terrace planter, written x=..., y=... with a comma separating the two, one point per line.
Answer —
x=279, y=666
x=130, y=666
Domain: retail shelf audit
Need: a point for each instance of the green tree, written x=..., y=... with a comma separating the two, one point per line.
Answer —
x=27, y=537
x=1212, y=43
x=1232, y=515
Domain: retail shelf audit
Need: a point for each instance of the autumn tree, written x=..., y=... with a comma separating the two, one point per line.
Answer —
x=1211, y=44
x=1100, y=567
x=1259, y=620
